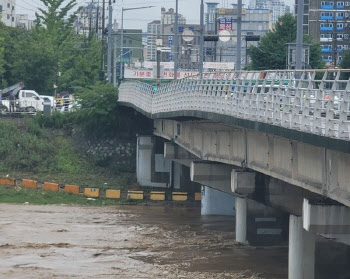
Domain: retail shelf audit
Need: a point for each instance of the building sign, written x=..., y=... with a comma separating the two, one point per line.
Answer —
x=230, y=11
x=222, y=11
x=219, y=65
x=153, y=64
x=149, y=74
x=225, y=24
x=170, y=44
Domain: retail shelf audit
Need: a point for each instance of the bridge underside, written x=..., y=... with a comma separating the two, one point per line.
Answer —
x=316, y=169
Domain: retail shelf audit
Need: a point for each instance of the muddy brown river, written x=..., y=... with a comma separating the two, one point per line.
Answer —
x=127, y=242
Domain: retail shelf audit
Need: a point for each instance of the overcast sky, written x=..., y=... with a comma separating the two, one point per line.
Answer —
x=139, y=19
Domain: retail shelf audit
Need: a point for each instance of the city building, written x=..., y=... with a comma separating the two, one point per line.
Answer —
x=153, y=32
x=278, y=7
x=188, y=57
x=89, y=19
x=254, y=22
x=8, y=12
x=327, y=23
x=23, y=21
x=168, y=17
x=132, y=46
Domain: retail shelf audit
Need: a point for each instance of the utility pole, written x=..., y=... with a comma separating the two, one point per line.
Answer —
x=97, y=17
x=335, y=40
x=90, y=18
x=239, y=36
x=299, y=46
x=102, y=73
x=201, y=40
x=176, y=40
x=121, y=64
x=115, y=62
x=110, y=42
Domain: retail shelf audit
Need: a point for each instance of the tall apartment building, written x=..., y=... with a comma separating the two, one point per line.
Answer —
x=153, y=31
x=86, y=20
x=168, y=17
x=254, y=22
x=8, y=12
x=278, y=7
x=328, y=23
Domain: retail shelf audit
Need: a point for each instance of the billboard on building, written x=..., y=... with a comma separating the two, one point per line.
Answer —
x=225, y=23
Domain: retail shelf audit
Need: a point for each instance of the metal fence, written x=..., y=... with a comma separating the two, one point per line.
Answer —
x=313, y=101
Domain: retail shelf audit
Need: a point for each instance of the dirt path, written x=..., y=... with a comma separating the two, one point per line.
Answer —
x=126, y=242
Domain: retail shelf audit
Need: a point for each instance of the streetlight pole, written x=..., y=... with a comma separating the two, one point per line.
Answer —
x=115, y=61
x=176, y=40
x=239, y=36
x=102, y=73
x=299, y=47
x=201, y=40
x=122, y=38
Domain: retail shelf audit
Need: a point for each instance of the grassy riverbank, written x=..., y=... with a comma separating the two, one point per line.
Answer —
x=27, y=150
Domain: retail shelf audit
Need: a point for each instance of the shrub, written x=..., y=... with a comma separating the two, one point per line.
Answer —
x=98, y=112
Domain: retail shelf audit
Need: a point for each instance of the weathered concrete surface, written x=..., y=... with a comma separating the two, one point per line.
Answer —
x=331, y=221
x=181, y=179
x=301, y=253
x=177, y=154
x=217, y=176
x=152, y=169
x=316, y=169
x=215, y=202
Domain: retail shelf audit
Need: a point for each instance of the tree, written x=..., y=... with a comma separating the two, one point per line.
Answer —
x=81, y=65
x=38, y=69
x=98, y=113
x=345, y=62
x=271, y=52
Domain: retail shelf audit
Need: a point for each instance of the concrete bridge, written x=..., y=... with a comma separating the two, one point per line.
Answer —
x=271, y=147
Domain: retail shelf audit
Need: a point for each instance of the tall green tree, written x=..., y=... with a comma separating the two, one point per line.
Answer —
x=271, y=52
x=81, y=65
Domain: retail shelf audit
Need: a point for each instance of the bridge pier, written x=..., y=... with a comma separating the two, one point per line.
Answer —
x=241, y=220
x=152, y=169
x=328, y=219
x=215, y=202
x=301, y=253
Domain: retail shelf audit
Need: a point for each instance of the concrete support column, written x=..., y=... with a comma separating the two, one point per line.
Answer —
x=241, y=220
x=152, y=169
x=215, y=202
x=301, y=254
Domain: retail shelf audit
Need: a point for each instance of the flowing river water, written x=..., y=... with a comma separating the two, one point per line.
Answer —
x=57, y=241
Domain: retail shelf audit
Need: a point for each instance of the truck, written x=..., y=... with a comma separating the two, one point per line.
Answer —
x=27, y=101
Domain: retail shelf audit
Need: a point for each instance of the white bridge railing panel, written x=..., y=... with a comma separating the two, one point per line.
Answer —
x=312, y=101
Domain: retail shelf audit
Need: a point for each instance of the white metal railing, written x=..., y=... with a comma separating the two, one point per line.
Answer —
x=313, y=101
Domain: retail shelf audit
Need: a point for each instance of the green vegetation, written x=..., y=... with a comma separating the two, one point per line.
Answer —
x=271, y=52
x=37, y=56
x=29, y=151
x=98, y=114
x=21, y=195
x=345, y=62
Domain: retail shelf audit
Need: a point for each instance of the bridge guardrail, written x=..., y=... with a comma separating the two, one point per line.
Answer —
x=313, y=101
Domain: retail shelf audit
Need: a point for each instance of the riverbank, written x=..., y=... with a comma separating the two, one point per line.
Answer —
x=28, y=150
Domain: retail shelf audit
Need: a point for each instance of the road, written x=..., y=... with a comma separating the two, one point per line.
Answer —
x=127, y=242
